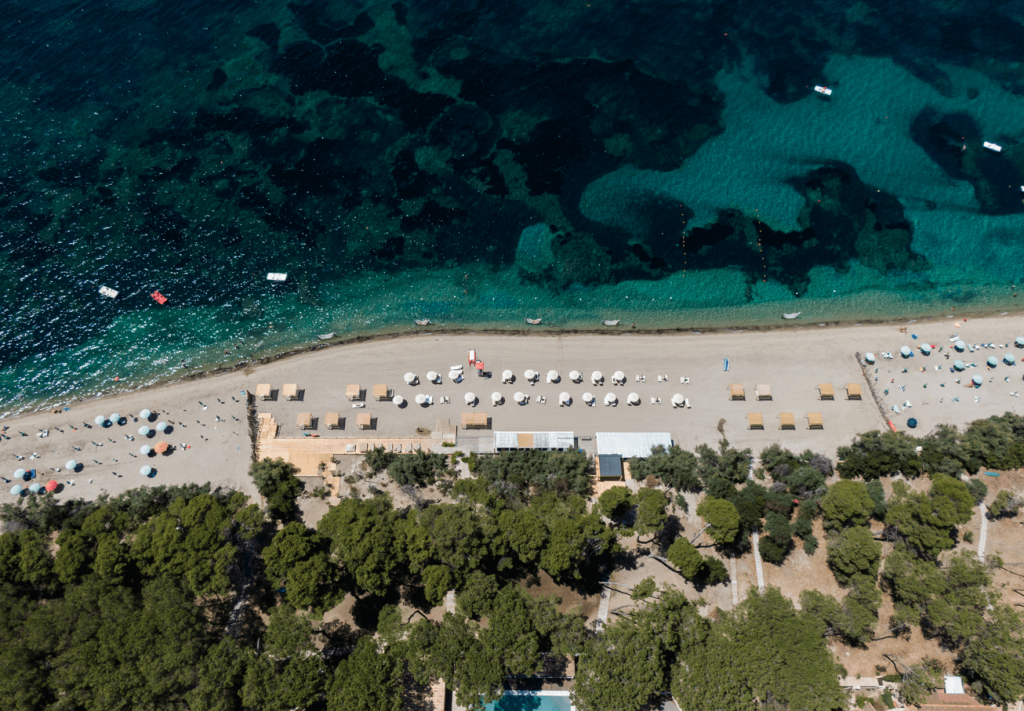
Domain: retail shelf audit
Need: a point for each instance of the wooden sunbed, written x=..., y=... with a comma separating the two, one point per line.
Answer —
x=853, y=391
x=755, y=420
x=736, y=392
x=825, y=391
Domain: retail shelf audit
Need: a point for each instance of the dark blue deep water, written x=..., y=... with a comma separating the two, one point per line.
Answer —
x=663, y=163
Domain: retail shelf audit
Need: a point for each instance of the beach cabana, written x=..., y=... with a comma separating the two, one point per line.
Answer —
x=926, y=349
x=575, y=376
x=496, y=398
x=530, y=375
x=1019, y=341
x=992, y=362
x=619, y=377
x=814, y=421
x=470, y=399
x=100, y=420
x=51, y=486
x=398, y=400
x=507, y=376
x=905, y=351
x=161, y=447
x=763, y=392
x=678, y=400
x=421, y=399
x=519, y=397
x=553, y=376
x=564, y=399
x=736, y=392
x=263, y=391
x=1009, y=359
x=381, y=393
x=610, y=399
x=588, y=398
x=16, y=490
x=960, y=345
x=144, y=450
x=977, y=380
x=825, y=391
x=755, y=421
x=71, y=465
x=34, y=487
x=869, y=358
x=364, y=421
x=145, y=414
x=146, y=471
x=304, y=421
x=290, y=391
x=410, y=378
x=332, y=421
x=432, y=376
x=958, y=365
x=633, y=399
x=596, y=377
x=853, y=391
x=353, y=392
x=474, y=420
x=144, y=431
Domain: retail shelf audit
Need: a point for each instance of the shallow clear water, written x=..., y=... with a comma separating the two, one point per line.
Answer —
x=477, y=163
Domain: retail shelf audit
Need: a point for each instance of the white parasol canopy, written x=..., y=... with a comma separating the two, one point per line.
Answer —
x=410, y=378
x=588, y=398
x=610, y=399
x=531, y=375
x=959, y=345
x=161, y=426
x=470, y=399
x=19, y=473
x=72, y=465
x=553, y=376
x=619, y=377
x=634, y=399
x=506, y=376
x=678, y=400
x=496, y=398
x=432, y=376
x=145, y=414
x=575, y=376
x=146, y=471
x=519, y=397
x=421, y=398
x=144, y=431
x=115, y=419
x=144, y=449
x=564, y=399
x=905, y=351
x=596, y=377
x=398, y=400
x=100, y=420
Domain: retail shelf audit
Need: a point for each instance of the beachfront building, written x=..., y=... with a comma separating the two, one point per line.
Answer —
x=631, y=444
x=552, y=441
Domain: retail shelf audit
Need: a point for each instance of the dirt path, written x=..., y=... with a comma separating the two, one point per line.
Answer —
x=757, y=562
x=983, y=536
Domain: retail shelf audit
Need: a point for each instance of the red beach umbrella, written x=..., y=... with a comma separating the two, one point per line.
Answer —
x=160, y=447
x=51, y=485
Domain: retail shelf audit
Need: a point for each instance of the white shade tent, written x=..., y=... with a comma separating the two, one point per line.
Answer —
x=496, y=398
x=553, y=376
x=531, y=375
x=19, y=473
x=519, y=397
x=506, y=376
x=588, y=398
x=100, y=420
x=145, y=414
x=410, y=378
x=610, y=399
x=146, y=471
x=145, y=449
x=905, y=351
x=420, y=398
x=432, y=376
x=633, y=399
x=619, y=377
x=596, y=377
x=575, y=376
x=398, y=400
x=470, y=399
x=71, y=464
x=678, y=400
x=564, y=399
x=161, y=426
x=144, y=431
x=115, y=419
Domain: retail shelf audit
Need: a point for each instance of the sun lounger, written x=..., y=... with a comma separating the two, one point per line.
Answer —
x=825, y=391
x=814, y=421
x=350, y=448
x=755, y=421
x=362, y=447
x=853, y=391
x=736, y=392
x=786, y=421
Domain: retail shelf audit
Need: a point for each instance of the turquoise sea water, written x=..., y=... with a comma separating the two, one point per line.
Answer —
x=477, y=163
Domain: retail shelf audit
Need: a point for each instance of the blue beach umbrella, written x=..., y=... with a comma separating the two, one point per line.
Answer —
x=115, y=419
x=1009, y=359
x=145, y=450
x=161, y=426
x=144, y=431
x=926, y=349
x=992, y=362
x=145, y=414
x=71, y=464
x=100, y=420
x=958, y=364
x=911, y=423
x=34, y=487
x=16, y=490
x=146, y=471
x=905, y=351
x=977, y=380
x=19, y=473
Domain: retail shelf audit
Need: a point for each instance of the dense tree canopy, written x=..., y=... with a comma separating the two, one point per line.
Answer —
x=847, y=503
x=275, y=480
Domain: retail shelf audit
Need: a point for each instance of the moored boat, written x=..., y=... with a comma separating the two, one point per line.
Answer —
x=791, y=316
x=606, y=322
x=823, y=90
x=326, y=336
x=108, y=292
x=533, y=321
x=423, y=322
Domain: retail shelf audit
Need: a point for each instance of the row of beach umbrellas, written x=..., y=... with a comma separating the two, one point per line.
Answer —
x=115, y=419
x=597, y=377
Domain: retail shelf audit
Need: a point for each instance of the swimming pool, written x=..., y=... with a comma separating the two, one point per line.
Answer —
x=532, y=701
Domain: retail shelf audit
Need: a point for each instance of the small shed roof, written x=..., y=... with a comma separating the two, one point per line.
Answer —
x=825, y=389
x=764, y=391
x=380, y=392
x=755, y=420
x=631, y=444
x=853, y=391
x=736, y=392
x=364, y=420
x=353, y=391
x=954, y=685
x=332, y=420
x=304, y=420
x=263, y=391
x=609, y=466
x=814, y=421
x=786, y=418
x=290, y=391
x=525, y=440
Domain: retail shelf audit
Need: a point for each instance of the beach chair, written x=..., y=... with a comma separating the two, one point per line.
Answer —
x=353, y=392
x=304, y=421
x=763, y=392
x=398, y=448
x=755, y=421
x=786, y=421
x=290, y=391
x=825, y=392
x=381, y=393
x=263, y=391
x=853, y=391
x=814, y=421
x=736, y=392
x=332, y=421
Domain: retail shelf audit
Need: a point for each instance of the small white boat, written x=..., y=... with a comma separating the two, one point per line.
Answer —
x=611, y=323
x=276, y=276
x=326, y=336
x=791, y=316
x=107, y=291
x=533, y=321
x=823, y=90
x=423, y=322
x=993, y=147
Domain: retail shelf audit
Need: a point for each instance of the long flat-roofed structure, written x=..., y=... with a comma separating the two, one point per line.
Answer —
x=631, y=444
x=534, y=440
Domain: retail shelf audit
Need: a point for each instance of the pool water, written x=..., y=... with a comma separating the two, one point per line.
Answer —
x=513, y=701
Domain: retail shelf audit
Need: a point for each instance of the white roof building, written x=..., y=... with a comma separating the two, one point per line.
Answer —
x=631, y=444
x=534, y=440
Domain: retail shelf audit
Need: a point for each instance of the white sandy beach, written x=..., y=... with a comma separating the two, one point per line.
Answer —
x=792, y=361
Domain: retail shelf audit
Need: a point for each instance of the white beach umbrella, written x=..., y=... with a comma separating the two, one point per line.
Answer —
x=144, y=431
x=610, y=399
x=115, y=419
x=161, y=426
x=596, y=377
x=869, y=357
x=16, y=490
x=410, y=378
x=905, y=351
x=145, y=414
x=432, y=376
x=575, y=376
x=959, y=345
x=496, y=398
x=564, y=399
x=420, y=398
x=678, y=400
x=100, y=420
x=19, y=473
x=398, y=400
x=470, y=399
x=588, y=398
x=926, y=349
x=146, y=471
x=619, y=377
x=530, y=375
x=71, y=464
x=977, y=380
x=506, y=376
x=519, y=397
x=1009, y=358
x=144, y=449
x=553, y=376
x=1019, y=341
x=634, y=399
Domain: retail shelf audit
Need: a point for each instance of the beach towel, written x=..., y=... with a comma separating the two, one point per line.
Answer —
x=726, y=365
